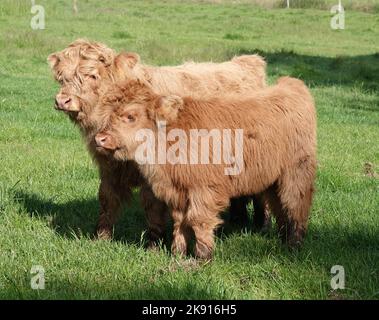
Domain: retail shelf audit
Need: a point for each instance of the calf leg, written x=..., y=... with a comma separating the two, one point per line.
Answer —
x=117, y=180
x=203, y=218
x=297, y=214
x=261, y=217
x=181, y=233
x=156, y=212
x=204, y=234
x=111, y=200
x=291, y=199
x=277, y=209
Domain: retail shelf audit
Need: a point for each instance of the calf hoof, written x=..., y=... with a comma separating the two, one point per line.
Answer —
x=294, y=239
x=203, y=252
x=104, y=234
x=294, y=243
x=154, y=239
x=179, y=249
x=152, y=246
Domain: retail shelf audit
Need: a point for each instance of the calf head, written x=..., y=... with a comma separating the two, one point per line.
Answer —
x=83, y=70
x=133, y=114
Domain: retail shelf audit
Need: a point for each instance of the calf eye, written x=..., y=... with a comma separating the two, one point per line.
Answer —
x=128, y=117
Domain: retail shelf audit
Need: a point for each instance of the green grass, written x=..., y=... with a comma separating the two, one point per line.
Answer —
x=48, y=183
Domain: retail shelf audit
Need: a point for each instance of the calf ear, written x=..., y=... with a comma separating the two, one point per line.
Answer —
x=167, y=108
x=126, y=60
x=53, y=60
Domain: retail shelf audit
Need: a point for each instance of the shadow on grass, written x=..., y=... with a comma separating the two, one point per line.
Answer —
x=336, y=244
x=79, y=217
x=361, y=71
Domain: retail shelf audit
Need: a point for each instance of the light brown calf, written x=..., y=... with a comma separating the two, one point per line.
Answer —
x=278, y=146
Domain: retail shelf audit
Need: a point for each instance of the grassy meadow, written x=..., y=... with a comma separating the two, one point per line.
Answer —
x=48, y=183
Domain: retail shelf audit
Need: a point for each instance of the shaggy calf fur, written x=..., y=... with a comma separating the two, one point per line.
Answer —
x=279, y=154
x=85, y=69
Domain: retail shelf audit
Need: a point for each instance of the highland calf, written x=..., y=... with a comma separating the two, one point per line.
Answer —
x=278, y=146
x=85, y=69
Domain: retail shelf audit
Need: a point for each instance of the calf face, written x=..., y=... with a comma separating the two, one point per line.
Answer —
x=126, y=111
x=82, y=70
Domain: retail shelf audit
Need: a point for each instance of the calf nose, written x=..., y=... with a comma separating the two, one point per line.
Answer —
x=101, y=140
x=62, y=102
